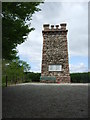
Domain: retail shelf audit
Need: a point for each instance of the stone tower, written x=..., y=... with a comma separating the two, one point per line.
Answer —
x=55, y=67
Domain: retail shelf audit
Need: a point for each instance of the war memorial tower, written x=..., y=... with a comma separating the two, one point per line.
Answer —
x=55, y=67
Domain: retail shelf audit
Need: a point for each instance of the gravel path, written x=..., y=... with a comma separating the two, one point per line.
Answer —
x=45, y=101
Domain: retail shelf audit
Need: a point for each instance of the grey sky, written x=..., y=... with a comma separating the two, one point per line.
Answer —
x=76, y=17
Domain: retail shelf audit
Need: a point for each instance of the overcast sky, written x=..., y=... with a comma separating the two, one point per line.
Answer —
x=76, y=17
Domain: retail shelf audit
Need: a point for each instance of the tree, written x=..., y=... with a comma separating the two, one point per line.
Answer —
x=15, y=68
x=14, y=25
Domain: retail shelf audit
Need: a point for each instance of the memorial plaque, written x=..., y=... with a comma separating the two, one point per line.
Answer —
x=55, y=68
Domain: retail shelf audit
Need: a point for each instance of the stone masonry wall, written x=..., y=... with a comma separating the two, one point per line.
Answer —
x=55, y=52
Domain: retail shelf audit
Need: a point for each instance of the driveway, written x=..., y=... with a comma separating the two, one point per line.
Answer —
x=45, y=101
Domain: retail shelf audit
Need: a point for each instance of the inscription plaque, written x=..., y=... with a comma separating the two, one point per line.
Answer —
x=55, y=67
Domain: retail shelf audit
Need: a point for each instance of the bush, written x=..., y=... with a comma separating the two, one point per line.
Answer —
x=80, y=77
x=34, y=77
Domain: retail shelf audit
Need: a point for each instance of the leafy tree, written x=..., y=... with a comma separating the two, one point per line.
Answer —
x=14, y=25
x=34, y=77
x=80, y=77
x=15, y=68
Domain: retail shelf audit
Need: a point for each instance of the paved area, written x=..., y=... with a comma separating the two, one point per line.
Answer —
x=45, y=101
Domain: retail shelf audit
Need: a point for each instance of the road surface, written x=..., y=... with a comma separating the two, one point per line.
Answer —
x=45, y=101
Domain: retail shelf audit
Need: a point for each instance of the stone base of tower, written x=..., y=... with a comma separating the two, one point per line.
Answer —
x=63, y=79
x=55, y=79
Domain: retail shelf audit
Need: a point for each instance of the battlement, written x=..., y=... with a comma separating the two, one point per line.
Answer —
x=61, y=27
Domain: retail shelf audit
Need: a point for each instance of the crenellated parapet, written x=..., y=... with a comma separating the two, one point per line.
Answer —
x=48, y=27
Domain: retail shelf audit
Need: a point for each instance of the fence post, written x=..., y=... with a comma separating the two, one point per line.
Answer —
x=6, y=80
